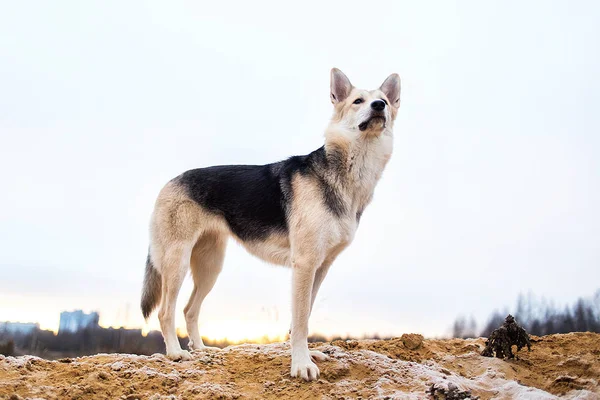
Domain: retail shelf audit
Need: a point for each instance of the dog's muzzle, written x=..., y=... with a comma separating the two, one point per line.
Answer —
x=375, y=117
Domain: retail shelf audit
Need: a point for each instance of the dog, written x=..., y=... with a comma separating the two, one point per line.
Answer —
x=301, y=213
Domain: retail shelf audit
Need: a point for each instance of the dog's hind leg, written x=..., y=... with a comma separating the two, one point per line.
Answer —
x=206, y=263
x=174, y=266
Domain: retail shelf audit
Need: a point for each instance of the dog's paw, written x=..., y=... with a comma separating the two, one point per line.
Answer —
x=305, y=369
x=318, y=356
x=204, y=348
x=201, y=347
x=179, y=355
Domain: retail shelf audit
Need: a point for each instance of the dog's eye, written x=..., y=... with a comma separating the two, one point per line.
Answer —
x=358, y=101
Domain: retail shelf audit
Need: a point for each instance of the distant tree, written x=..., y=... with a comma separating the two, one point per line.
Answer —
x=580, y=316
x=7, y=348
x=459, y=327
x=536, y=328
x=472, y=327
x=566, y=322
x=494, y=322
x=549, y=322
x=593, y=320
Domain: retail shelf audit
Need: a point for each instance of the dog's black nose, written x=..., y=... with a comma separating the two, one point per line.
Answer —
x=378, y=105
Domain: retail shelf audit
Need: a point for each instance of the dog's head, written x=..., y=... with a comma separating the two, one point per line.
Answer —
x=368, y=111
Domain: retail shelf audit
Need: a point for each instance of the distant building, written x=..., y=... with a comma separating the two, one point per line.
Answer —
x=18, y=327
x=73, y=321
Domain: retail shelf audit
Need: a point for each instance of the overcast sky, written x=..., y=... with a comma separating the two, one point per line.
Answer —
x=492, y=190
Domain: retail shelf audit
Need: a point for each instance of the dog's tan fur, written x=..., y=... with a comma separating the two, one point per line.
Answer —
x=185, y=236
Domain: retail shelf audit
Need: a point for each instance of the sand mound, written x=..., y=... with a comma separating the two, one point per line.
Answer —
x=404, y=368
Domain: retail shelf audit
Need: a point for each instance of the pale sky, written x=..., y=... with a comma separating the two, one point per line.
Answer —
x=496, y=161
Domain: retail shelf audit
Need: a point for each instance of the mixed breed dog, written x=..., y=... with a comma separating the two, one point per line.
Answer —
x=301, y=213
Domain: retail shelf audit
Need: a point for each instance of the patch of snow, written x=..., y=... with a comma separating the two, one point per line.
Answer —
x=157, y=396
x=151, y=372
x=193, y=372
x=581, y=395
x=118, y=365
x=21, y=361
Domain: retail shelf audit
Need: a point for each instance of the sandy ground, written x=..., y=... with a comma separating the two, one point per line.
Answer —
x=566, y=366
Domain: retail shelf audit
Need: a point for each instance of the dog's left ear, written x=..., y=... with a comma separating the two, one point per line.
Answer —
x=391, y=88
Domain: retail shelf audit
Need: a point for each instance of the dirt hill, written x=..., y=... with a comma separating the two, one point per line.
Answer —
x=558, y=366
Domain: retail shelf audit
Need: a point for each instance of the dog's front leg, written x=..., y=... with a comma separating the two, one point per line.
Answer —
x=303, y=276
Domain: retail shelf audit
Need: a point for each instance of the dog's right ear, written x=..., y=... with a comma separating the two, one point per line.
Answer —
x=340, y=86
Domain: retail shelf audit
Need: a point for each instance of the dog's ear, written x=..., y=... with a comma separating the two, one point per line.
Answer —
x=340, y=86
x=391, y=88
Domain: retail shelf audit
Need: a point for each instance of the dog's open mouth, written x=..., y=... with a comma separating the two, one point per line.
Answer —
x=375, y=119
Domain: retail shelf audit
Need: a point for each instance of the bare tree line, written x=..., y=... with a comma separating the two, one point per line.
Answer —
x=539, y=317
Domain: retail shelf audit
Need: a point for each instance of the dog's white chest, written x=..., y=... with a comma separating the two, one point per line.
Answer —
x=366, y=168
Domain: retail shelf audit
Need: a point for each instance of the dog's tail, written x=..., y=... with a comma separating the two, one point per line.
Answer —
x=152, y=288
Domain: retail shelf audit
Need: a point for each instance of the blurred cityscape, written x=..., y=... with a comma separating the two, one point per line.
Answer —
x=79, y=334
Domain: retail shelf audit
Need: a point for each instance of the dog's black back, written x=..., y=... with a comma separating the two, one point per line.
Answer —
x=253, y=199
